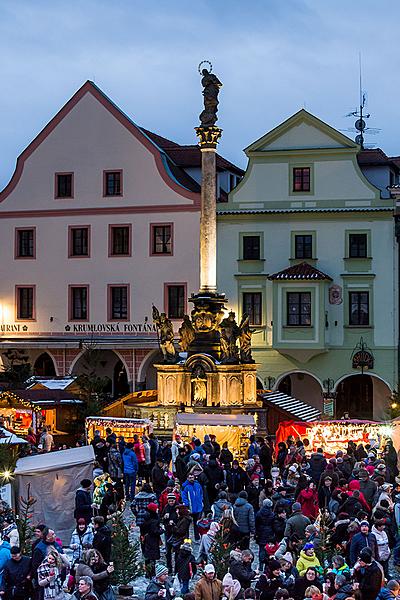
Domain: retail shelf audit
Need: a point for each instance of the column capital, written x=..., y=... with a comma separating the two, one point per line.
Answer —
x=208, y=137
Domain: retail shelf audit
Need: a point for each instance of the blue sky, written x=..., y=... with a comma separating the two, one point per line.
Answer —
x=273, y=57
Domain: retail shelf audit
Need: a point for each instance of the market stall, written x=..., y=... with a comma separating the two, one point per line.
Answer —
x=335, y=435
x=234, y=429
x=53, y=479
x=18, y=414
x=119, y=425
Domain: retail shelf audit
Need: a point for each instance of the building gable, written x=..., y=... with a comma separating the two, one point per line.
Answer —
x=89, y=135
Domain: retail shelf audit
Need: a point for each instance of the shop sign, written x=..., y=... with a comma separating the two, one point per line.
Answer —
x=111, y=328
x=12, y=328
x=329, y=407
x=363, y=360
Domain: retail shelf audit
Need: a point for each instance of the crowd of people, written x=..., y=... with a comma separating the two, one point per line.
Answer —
x=286, y=523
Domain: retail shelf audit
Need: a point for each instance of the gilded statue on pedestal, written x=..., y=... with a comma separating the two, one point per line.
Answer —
x=165, y=331
x=186, y=333
x=199, y=386
x=211, y=85
x=245, y=334
x=229, y=334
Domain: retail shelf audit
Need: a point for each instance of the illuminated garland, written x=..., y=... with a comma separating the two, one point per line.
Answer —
x=14, y=399
x=116, y=423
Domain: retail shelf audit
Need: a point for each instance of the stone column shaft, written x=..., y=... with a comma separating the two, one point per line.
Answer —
x=208, y=222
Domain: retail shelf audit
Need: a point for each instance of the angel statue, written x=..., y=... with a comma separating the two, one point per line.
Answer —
x=211, y=85
x=186, y=333
x=229, y=334
x=245, y=339
x=165, y=331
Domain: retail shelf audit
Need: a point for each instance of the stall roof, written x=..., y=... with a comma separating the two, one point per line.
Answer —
x=8, y=437
x=52, y=383
x=127, y=419
x=214, y=419
x=52, y=461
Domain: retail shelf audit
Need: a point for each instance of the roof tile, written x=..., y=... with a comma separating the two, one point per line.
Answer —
x=301, y=271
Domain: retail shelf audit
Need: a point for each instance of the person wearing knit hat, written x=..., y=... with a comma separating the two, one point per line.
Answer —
x=152, y=507
x=169, y=520
x=368, y=576
x=159, y=587
x=83, y=501
x=231, y=587
x=185, y=565
x=150, y=532
x=207, y=540
x=363, y=539
x=243, y=516
x=81, y=539
x=307, y=559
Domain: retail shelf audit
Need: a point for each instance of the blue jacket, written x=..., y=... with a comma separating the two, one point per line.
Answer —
x=385, y=594
x=130, y=462
x=192, y=496
x=5, y=555
x=360, y=541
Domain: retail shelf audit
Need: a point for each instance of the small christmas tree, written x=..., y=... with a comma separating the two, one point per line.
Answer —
x=24, y=522
x=220, y=551
x=325, y=550
x=124, y=554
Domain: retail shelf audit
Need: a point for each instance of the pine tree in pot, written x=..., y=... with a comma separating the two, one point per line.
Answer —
x=125, y=555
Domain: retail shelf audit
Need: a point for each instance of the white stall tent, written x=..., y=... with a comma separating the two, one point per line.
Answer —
x=53, y=479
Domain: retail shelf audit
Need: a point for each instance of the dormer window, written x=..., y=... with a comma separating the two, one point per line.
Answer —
x=301, y=179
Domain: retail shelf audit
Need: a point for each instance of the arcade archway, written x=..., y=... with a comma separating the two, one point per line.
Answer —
x=302, y=386
x=363, y=397
x=44, y=366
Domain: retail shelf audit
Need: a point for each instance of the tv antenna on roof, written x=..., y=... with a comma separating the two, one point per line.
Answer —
x=360, y=125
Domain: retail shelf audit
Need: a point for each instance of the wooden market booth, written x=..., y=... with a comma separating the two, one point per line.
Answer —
x=119, y=425
x=234, y=429
x=335, y=435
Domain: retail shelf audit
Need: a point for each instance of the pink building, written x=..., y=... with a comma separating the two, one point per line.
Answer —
x=99, y=220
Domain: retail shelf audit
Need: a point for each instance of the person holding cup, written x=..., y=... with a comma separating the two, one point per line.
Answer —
x=159, y=587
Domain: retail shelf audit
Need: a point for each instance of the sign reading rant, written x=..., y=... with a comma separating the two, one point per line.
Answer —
x=111, y=328
x=12, y=328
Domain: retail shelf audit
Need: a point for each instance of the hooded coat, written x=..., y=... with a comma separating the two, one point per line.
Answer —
x=243, y=513
x=317, y=465
x=264, y=523
x=192, y=496
x=308, y=499
x=304, y=562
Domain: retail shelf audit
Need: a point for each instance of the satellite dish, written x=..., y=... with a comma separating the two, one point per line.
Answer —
x=359, y=139
x=360, y=124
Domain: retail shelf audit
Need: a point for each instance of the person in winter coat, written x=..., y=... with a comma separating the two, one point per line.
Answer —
x=207, y=445
x=48, y=538
x=390, y=591
x=289, y=573
x=141, y=501
x=102, y=538
x=363, y=539
x=231, y=588
x=281, y=500
x=253, y=492
x=279, y=523
x=390, y=458
x=226, y=456
x=325, y=492
x=254, y=448
x=49, y=575
x=138, y=448
x=343, y=587
x=240, y=567
x=159, y=477
x=81, y=539
x=169, y=518
x=270, y=581
x=236, y=480
x=297, y=523
x=84, y=589
x=10, y=532
x=215, y=477
x=281, y=456
x=208, y=587
x=367, y=486
x=171, y=488
x=317, y=465
x=181, y=468
x=192, y=497
x=310, y=578
x=151, y=531
x=206, y=542
x=5, y=555
x=308, y=498
x=130, y=468
x=291, y=545
x=176, y=446
x=83, y=501
x=220, y=505
x=243, y=516
x=382, y=543
x=264, y=521
x=110, y=501
x=16, y=583
x=94, y=566
x=186, y=567
x=180, y=530
x=159, y=587
x=368, y=575
x=307, y=559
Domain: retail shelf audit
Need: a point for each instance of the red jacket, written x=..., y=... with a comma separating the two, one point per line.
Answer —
x=309, y=503
x=139, y=451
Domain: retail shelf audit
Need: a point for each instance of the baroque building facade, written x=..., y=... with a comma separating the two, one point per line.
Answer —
x=99, y=220
x=306, y=245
